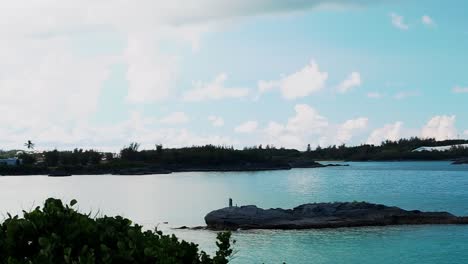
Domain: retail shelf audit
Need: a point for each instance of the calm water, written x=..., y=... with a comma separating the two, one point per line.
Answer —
x=184, y=199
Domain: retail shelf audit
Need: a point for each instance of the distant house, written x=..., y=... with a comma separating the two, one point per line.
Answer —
x=10, y=161
x=441, y=148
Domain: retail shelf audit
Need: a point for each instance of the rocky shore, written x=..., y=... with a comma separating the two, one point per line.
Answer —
x=323, y=215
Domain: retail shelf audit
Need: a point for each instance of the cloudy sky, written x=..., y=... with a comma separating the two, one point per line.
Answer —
x=101, y=73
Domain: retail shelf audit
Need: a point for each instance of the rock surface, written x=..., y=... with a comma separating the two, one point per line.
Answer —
x=324, y=215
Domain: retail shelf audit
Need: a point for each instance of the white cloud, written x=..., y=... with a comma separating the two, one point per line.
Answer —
x=247, y=127
x=427, y=20
x=346, y=130
x=302, y=83
x=354, y=80
x=307, y=126
x=175, y=118
x=406, y=94
x=137, y=128
x=375, y=95
x=440, y=128
x=465, y=133
x=216, y=121
x=459, y=89
x=150, y=74
x=307, y=120
x=388, y=132
x=52, y=83
x=303, y=128
x=398, y=21
x=278, y=134
x=214, y=90
x=42, y=83
x=265, y=86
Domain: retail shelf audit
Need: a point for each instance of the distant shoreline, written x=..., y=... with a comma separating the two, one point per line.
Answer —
x=152, y=171
x=132, y=161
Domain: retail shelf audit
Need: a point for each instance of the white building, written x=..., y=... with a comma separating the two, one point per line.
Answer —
x=441, y=148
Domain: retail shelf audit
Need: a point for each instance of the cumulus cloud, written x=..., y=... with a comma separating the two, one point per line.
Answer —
x=354, y=80
x=247, y=127
x=175, y=118
x=398, y=21
x=214, y=90
x=151, y=73
x=307, y=119
x=459, y=89
x=346, y=130
x=42, y=83
x=54, y=84
x=387, y=132
x=299, y=129
x=308, y=126
x=440, y=128
x=110, y=137
x=302, y=83
x=427, y=20
x=216, y=121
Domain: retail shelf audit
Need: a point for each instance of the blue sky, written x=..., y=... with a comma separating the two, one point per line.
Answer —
x=101, y=75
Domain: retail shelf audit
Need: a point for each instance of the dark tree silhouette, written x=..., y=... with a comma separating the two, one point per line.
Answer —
x=29, y=145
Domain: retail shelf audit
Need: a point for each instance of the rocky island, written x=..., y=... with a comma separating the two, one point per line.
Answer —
x=323, y=215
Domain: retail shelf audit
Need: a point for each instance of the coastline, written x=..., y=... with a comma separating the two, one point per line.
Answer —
x=150, y=170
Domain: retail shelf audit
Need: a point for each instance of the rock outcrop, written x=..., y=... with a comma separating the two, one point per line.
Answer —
x=324, y=215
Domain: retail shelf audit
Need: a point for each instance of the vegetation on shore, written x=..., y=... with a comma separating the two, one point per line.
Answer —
x=57, y=233
x=132, y=160
x=392, y=151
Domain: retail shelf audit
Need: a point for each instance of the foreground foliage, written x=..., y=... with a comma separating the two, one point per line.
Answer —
x=59, y=234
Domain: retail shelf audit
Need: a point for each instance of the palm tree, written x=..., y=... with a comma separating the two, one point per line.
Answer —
x=29, y=144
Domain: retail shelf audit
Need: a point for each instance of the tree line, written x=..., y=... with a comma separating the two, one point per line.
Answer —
x=402, y=149
x=223, y=157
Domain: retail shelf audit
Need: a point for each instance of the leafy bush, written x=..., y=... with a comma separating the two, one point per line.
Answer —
x=60, y=234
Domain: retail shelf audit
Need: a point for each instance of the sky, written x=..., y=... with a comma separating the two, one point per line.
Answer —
x=101, y=74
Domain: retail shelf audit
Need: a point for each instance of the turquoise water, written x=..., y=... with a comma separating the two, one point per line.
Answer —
x=184, y=199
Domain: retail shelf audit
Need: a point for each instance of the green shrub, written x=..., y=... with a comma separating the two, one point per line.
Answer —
x=60, y=234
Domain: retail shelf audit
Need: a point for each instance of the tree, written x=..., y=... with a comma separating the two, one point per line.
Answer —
x=109, y=156
x=52, y=158
x=29, y=145
x=159, y=148
x=309, y=148
x=130, y=152
x=27, y=159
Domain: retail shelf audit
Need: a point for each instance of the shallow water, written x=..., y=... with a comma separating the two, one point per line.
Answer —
x=184, y=199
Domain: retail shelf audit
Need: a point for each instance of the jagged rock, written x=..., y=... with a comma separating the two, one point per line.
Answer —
x=324, y=215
